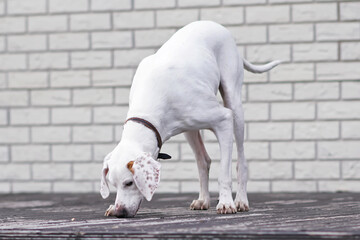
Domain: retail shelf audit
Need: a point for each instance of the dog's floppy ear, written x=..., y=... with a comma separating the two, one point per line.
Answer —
x=146, y=172
x=104, y=187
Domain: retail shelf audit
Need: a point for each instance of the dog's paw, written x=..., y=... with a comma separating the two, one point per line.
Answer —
x=242, y=206
x=200, y=204
x=226, y=208
x=110, y=211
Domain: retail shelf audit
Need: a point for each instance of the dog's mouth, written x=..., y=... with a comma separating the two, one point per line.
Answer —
x=138, y=206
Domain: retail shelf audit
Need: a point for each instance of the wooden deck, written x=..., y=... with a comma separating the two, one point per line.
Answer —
x=272, y=216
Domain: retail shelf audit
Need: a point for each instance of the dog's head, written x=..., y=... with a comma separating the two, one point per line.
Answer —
x=134, y=179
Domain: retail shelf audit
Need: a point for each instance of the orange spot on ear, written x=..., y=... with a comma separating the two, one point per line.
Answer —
x=130, y=165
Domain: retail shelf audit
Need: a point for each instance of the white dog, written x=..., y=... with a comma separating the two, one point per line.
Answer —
x=174, y=91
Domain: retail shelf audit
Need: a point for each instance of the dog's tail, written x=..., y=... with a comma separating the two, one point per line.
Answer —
x=260, y=68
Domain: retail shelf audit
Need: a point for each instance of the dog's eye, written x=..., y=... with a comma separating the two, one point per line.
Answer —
x=128, y=184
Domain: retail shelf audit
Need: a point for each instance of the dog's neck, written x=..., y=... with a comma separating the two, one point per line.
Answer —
x=141, y=138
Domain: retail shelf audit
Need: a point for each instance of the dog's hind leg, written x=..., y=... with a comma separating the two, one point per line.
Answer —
x=203, y=162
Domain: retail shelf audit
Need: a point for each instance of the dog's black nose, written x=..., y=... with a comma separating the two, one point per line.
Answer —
x=121, y=212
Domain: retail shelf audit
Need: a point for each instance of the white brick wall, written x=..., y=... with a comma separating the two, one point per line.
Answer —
x=66, y=67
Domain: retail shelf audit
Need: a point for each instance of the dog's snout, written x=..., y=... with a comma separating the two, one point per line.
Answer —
x=120, y=211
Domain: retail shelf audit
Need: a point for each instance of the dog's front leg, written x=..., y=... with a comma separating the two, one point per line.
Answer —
x=203, y=162
x=224, y=133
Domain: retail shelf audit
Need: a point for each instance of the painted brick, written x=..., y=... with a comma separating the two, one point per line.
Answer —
x=339, y=186
x=294, y=186
x=249, y=34
x=12, y=62
x=254, y=78
x=70, y=187
x=100, y=5
x=351, y=170
x=108, y=40
x=3, y=80
x=110, y=114
x=185, y=170
x=69, y=78
x=266, y=53
x=148, y=4
x=315, y=52
x=12, y=25
x=350, y=129
x=56, y=6
x=74, y=115
x=293, y=72
x=15, y=172
x=258, y=186
x=21, y=43
x=339, y=150
x=88, y=171
x=2, y=10
x=71, y=153
x=2, y=44
x=101, y=150
x=52, y=171
x=269, y=14
x=293, y=111
x=130, y=58
x=43, y=61
x=269, y=92
x=176, y=18
x=350, y=51
x=92, y=96
x=337, y=31
x=314, y=12
x=29, y=116
x=14, y=135
x=291, y=33
x=316, y=91
x=4, y=154
x=338, y=71
x=92, y=134
x=50, y=134
x=350, y=90
x=288, y=1
x=122, y=95
x=113, y=77
x=339, y=110
x=50, y=97
x=47, y=23
x=256, y=111
x=31, y=187
x=96, y=59
x=3, y=118
x=4, y=186
x=349, y=11
x=169, y=187
x=292, y=150
x=30, y=153
x=26, y=7
x=233, y=15
x=13, y=98
x=133, y=20
x=118, y=132
x=69, y=41
x=317, y=170
x=316, y=130
x=27, y=79
x=269, y=131
x=198, y=3
x=93, y=21
x=243, y=2
x=270, y=170
x=152, y=38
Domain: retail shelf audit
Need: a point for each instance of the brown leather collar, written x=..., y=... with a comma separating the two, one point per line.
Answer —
x=148, y=125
